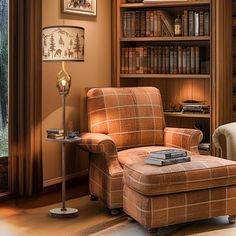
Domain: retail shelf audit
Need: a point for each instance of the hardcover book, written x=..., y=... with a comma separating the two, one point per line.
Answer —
x=168, y=154
x=164, y=162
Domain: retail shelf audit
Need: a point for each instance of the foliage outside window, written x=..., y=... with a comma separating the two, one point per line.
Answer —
x=3, y=78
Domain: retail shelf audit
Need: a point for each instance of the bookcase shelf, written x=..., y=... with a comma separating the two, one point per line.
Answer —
x=167, y=4
x=166, y=76
x=163, y=39
x=152, y=51
x=187, y=115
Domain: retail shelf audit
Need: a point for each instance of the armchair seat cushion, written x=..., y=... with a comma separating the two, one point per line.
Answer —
x=203, y=172
x=137, y=155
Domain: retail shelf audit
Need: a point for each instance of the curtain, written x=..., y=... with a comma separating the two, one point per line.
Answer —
x=25, y=75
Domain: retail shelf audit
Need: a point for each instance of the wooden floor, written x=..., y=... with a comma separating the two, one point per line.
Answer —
x=29, y=217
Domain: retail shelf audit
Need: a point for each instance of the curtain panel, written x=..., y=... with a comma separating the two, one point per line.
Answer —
x=25, y=75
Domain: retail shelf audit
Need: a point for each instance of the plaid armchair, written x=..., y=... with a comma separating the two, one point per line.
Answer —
x=125, y=124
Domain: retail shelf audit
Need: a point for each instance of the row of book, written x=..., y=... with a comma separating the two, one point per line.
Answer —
x=195, y=23
x=167, y=157
x=143, y=23
x=162, y=60
x=159, y=23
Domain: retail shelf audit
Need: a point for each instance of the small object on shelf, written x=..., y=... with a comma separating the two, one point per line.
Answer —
x=72, y=134
x=178, y=26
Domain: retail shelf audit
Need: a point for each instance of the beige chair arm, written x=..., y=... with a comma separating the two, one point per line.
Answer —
x=188, y=139
x=229, y=132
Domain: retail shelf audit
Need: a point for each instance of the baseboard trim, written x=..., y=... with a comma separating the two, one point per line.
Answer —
x=58, y=180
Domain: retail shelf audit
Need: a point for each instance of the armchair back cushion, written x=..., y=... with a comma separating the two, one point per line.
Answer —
x=132, y=117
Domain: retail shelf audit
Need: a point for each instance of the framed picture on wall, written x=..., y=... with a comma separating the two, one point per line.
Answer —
x=82, y=7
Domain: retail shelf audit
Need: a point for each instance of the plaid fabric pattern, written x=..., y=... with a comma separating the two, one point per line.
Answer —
x=130, y=116
x=158, y=211
x=122, y=118
x=108, y=188
x=201, y=173
x=183, y=138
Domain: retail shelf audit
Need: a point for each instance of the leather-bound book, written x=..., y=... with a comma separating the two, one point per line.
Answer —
x=167, y=57
x=188, y=60
x=175, y=60
x=190, y=23
x=133, y=60
x=184, y=60
x=186, y=23
x=148, y=31
x=206, y=23
x=145, y=60
x=125, y=24
x=155, y=60
x=159, y=24
x=201, y=24
x=143, y=23
x=141, y=60
x=180, y=60
x=163, y=60
x=122, y=62
x=197, y=59
x=132, y=24
x=137, y=60
x=151, y=23
x=171, y=60
x=159, y=59
x=137, y=24
x=193, y=60
x=196, y=24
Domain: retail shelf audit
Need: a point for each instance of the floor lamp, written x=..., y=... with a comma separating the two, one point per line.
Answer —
x=63, y=43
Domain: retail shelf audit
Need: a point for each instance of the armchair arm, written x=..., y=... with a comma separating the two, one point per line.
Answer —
x=228, y=131
x=101, y=144
x=188, y=139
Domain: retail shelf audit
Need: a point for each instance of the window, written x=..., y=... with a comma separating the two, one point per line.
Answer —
x=3, y=94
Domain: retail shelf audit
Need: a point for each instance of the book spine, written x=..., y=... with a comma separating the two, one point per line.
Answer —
x=137, y=67
x=128, y=32
x=196, y=24
x=148, y=60
x=143, y=23
x=141, y=54
x=152, y=60
x=206, y=24
x=122, y=61
x=159, y=60
x=175, y=60
x=155, y=24
x=130, y=61
x=125, y=24
x=137, y=24
x=167, y=59
x=193, y=61
x=133, y=60
x=186, y=23
x=148, y=33
x=155, y=60
x=191, y=24
x=184, y=60
x=145, y=60
x=201, y=24
x=197, y=60
x=180, y=59
x=188, y=60
x=159, y=30
x=164, y=60
x=151, y=23
x=171, y=60
x=183, y=23
x=133, y=24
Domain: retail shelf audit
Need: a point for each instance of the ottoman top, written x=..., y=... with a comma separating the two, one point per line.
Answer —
x=203, y=172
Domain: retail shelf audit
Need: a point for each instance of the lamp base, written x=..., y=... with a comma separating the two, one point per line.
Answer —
x=67, y=213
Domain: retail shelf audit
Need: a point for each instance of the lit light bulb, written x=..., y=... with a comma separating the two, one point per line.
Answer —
x=63, y=82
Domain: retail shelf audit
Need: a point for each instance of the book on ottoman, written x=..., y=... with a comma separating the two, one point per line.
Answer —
x=167, y=157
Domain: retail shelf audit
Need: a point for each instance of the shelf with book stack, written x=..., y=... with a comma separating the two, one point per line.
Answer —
x=147, y=52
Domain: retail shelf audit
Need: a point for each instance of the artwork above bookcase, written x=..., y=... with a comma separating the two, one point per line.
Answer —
x=146, y=52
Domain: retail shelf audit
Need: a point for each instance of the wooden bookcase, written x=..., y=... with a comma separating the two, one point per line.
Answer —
x=176, y=88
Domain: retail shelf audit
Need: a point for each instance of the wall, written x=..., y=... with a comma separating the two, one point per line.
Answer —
x=94, y=71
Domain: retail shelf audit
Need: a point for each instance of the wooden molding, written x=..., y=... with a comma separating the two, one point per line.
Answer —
x=222, y=66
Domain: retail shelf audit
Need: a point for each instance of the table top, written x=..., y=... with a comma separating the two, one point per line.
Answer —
x=66, y=140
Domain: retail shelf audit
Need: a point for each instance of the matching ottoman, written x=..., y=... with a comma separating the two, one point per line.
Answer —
x=160, y=196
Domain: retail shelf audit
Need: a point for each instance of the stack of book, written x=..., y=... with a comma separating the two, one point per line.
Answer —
x=167, y=157
x=163, y=60
x=55, y=133
x=196, y=108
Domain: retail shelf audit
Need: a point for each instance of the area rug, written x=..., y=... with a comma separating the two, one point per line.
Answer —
x=120, y=226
